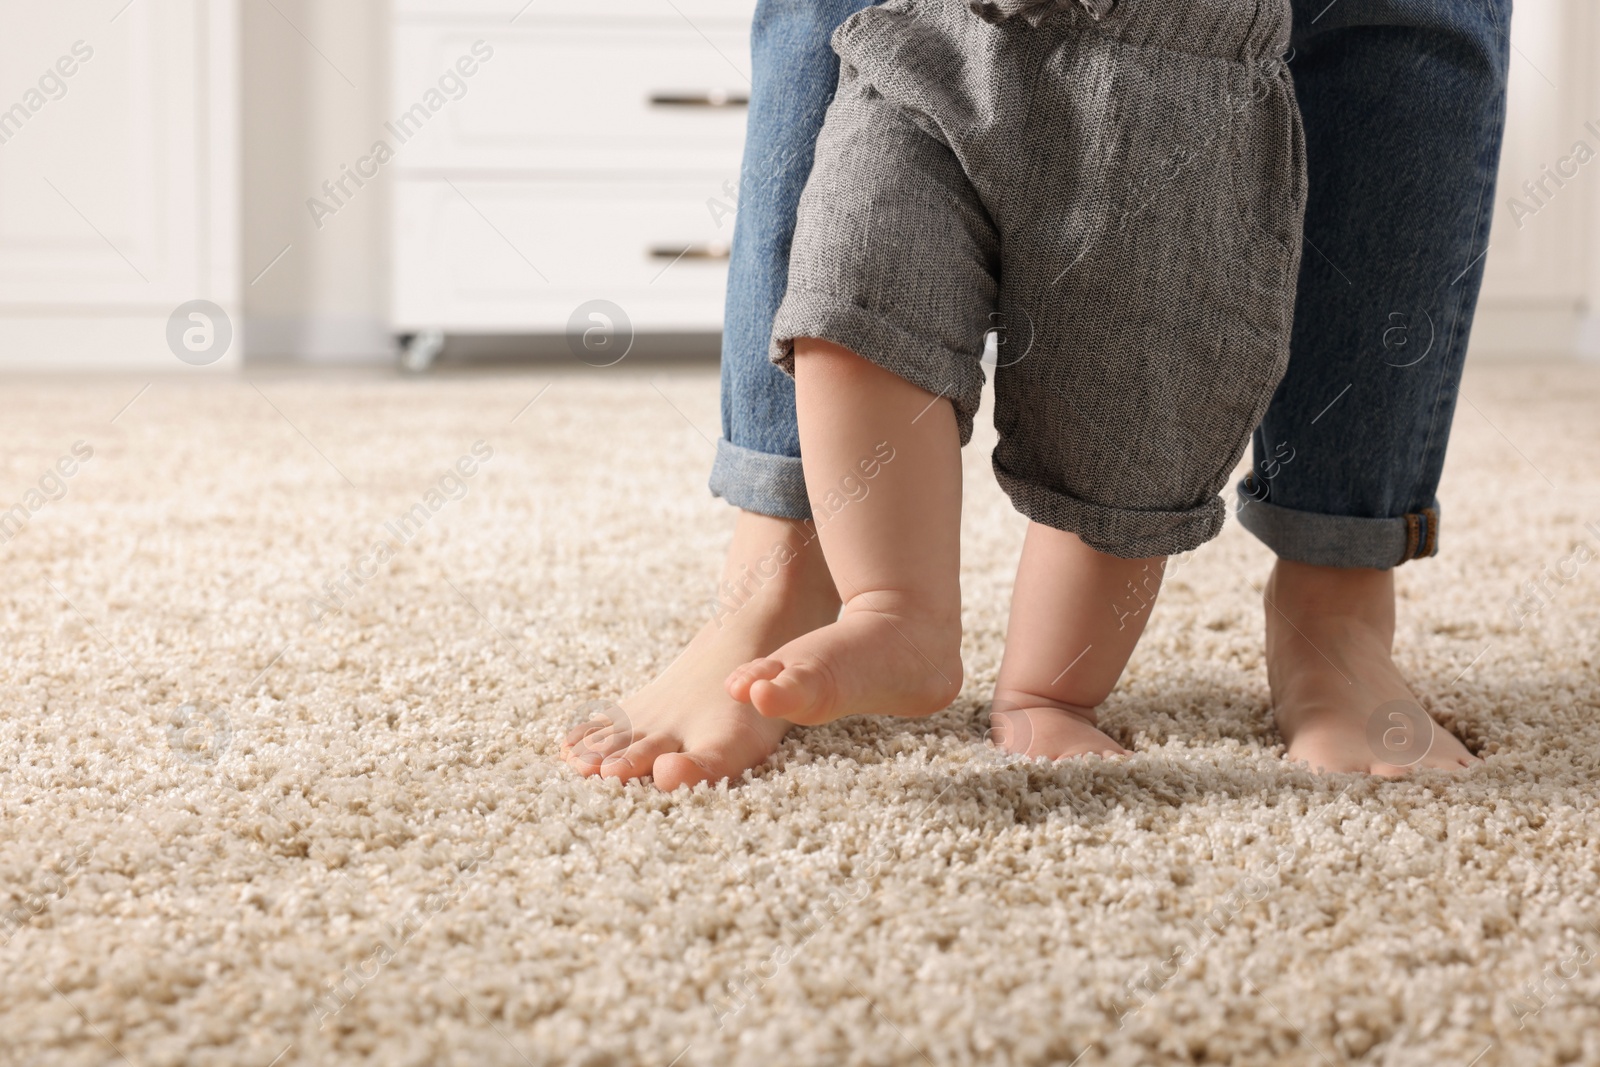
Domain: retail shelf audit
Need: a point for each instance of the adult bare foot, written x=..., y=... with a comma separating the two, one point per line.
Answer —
x=883, y=657
x=683, y=727
x=1340, y=702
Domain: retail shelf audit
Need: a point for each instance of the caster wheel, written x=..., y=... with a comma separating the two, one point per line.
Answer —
x=419, y=350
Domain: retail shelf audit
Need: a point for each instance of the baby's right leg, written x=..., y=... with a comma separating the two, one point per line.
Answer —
x=1076, y=615
x=892, y=285
x=891, y=538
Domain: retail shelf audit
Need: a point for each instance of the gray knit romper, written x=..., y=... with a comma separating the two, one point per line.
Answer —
x=1115, y=186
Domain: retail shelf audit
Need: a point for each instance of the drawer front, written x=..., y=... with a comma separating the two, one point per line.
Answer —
x=520, y=256
x=570, y=98
x=497, y=14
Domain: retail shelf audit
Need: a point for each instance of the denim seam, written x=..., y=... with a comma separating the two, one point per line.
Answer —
x=1422, y=534
x=1454, y=355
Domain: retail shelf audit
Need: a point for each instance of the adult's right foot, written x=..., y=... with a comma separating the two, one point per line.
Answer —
x=1340, y=701
x=683, y=728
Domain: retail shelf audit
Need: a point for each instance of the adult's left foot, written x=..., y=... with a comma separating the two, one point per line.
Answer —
x=1340, y=702
x=683, y=728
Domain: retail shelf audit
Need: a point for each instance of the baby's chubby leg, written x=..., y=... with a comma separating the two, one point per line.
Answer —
x=1076, y=615
x=891, y=540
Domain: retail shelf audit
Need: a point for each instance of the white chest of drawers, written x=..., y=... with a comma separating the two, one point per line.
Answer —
x=592, y=152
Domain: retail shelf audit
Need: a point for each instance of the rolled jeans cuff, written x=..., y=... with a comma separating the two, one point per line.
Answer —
x=760, y=481
x=1340, y=540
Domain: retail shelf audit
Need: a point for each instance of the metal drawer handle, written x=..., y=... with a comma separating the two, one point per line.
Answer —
x=710, y=98
x=677, y=252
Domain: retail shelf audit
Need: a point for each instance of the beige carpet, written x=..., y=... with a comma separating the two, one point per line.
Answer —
x=235, y=835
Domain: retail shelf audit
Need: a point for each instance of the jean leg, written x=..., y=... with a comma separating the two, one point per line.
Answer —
x=795, y=73
x=1404, y=108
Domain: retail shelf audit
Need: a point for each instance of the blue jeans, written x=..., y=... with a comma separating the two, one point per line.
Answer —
x=1404, y=106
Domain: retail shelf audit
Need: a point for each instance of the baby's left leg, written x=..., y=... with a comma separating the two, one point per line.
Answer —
x=1076, y=615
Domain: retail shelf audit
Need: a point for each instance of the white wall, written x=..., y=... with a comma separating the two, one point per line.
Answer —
x=1542, y=286
x=315, y=96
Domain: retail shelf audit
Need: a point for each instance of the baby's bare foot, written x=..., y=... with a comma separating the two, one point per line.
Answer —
x=1340, y=702
x=1048, y=729
x=878, y=659
x=683, y=728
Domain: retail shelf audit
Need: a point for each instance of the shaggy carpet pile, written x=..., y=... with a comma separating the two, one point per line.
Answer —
x=286, y=659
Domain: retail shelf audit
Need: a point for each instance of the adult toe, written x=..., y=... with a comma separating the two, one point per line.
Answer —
x=639, y=758
x=590, y=752
x=727, y=757
x=582, y=730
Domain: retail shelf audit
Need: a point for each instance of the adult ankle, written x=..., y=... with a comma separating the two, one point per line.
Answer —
x=1308, y=594
x=775, y=567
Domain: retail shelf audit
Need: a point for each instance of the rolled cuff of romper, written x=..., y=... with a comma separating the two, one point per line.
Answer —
x=1129, y=533
x=1340, y=540
x=760, y=481
x=879, y=340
